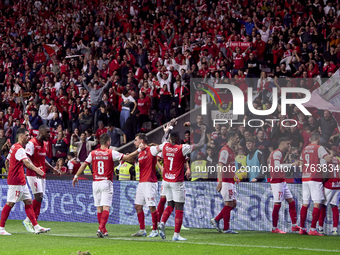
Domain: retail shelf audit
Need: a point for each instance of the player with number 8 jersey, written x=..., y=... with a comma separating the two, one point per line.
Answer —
x=102, y=161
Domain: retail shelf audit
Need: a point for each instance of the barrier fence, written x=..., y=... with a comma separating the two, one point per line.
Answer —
x=62, y=202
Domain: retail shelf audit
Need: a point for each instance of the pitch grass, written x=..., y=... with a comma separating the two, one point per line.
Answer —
x=69, y=238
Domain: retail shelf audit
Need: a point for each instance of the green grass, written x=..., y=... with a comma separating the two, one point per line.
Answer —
x=69, y=238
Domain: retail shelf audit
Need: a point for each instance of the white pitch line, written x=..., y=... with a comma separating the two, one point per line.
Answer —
x=184, y=242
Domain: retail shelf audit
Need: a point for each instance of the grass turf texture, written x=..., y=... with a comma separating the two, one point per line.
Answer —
x=69, y=238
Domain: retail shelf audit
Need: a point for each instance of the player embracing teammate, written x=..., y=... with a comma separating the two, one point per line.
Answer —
x=17, y=187
x=314, y=158
x=173, y=177
x=148, y=185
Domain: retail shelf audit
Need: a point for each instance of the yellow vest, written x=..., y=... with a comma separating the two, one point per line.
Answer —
x=87, y=170
x=124, y=172
x=242, y=159
x=198, y=170
x=137, y=171
x=160, y=171
x=73, y=149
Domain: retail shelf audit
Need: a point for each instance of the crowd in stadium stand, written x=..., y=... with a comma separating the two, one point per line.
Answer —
x=91, y=67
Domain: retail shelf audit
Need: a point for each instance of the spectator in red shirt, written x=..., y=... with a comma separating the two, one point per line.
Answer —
x=180, y=103
x=101, y=129
x=143, y=105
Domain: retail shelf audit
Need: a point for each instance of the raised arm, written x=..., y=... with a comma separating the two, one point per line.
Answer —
x=167, y=130
x=86, y=87
x=200, y=144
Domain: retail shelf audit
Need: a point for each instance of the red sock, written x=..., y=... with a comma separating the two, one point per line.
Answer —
x=275, y=215
x=292, y=212
x=36, y=208
x=4, y=215
x=303, y=216
x=103, y=220
x=335, y=212
x=30, y=214
x=160, y=207
x=316, y=215
x=99, y=215
x=322, y=215
x=226, y=217
x=166, y=214
x=220, y=215
x=178, y=220
x=141, y=220
x=154, y=217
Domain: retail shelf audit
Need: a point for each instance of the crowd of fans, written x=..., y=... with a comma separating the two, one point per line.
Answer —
x=90, y=67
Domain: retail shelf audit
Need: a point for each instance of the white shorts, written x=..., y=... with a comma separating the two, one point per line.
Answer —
x=102, y=193
x=280, y=192
x=174, y=191
x=17, y=193
x=146, y=193
x=331, y=196
x=228, y=191
x=162, y=190
x=312, y=190
x=37, y=185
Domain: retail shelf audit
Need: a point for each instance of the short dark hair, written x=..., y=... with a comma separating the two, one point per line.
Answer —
x=43, y=127
x=104, y=138
x=174, y=137
x=315, y=136
x=142, y=137
x=230, y=134
x=21, y=131
x=284, y=139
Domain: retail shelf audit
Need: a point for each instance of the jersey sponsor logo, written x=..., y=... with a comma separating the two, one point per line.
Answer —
x=101, y=158
x=336, y=185
x=168, y=149
x=41, y=154
x=170, y=176
x=100, y=153
x=170, y=155
x=97, y=177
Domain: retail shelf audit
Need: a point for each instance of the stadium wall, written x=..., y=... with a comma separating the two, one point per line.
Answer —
x=62, y=202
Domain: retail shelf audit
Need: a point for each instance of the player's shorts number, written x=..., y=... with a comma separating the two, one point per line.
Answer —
x=100, y=167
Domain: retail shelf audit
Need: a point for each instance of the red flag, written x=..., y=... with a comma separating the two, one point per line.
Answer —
x=51, y=49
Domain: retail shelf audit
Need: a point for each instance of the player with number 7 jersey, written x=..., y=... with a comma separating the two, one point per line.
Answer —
x=173, y=177
x=314, y=158
x=279, y=186
x=102, y=161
